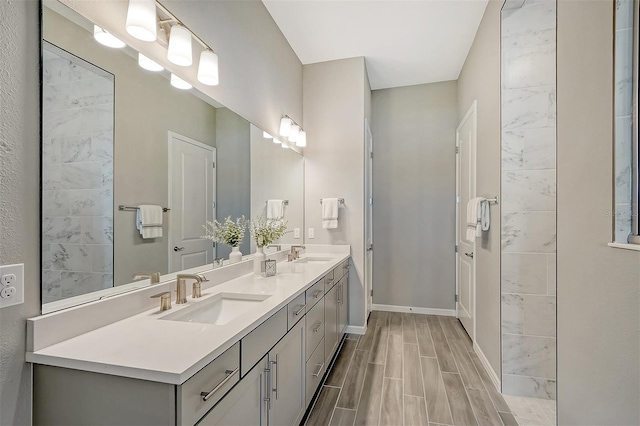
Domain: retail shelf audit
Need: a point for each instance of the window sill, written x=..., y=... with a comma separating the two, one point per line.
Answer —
x=625, y=246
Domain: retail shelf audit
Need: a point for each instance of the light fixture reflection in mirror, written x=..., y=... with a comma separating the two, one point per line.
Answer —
x=266, y=135
x=276, y=141
x=285, y=126
x=285, y=146
x=293, y=133
x=149, y=64
x=302, y=139
x=179, y=83
x=107, y=39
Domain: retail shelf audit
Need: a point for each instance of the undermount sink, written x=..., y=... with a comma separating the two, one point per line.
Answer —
x=218, y=310
x=313, y=259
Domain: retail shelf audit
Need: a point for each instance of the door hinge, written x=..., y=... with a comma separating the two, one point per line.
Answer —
x=456, y=248
x=457, y=199
x=213, y=205
x=371, y=154
x=370, y=201
x=371, y=292
x=214, y=164
x=457, y=150
x=456, y=297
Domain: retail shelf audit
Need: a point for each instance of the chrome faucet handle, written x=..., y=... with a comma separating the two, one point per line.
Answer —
x=165, y=300
x=196, y=290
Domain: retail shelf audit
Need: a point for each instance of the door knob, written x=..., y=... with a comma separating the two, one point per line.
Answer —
x=176, y=248
x=469, y=255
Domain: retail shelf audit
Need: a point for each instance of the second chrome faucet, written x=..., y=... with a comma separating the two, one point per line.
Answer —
x=181, y=287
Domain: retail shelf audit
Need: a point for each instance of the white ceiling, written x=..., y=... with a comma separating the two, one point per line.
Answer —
x=404, y=42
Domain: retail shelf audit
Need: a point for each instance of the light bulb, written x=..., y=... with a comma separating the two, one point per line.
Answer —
x=285, y=126
x=106, y=38
x=142, y=19
x=179, y=83
x=208, y=68
x=302, y=139
x=148, y=64
x=180, y=46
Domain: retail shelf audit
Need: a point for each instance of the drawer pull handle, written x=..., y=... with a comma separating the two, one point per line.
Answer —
x=315, y=330
x=317, y=373
x=329, y=280
x=317, y=294
x=230, y=373
x=299, y=311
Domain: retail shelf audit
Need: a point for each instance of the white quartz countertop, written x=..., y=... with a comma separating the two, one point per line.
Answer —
x=144, y=347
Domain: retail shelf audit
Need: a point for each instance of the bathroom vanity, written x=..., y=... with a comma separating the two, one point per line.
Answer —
x=251, y=350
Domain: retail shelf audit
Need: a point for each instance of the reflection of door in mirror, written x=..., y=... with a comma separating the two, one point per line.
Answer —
x=192, y=185
x=77, y=176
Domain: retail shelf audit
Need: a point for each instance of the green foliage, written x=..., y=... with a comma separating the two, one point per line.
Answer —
x=230, y=233
x=265, y=232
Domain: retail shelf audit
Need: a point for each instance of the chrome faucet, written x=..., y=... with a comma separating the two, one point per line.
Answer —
x=278, y=247
x=295, y=254
x=181, y=286
x=154, y=277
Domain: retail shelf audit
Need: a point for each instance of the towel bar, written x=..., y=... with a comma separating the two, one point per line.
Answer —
x=286, y=202
x=134, y=208
x=340, y=200
x=495, y=200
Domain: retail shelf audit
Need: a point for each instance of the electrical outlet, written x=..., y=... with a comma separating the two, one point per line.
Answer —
x=312, y=233
x=296, y=232
x=11, y=285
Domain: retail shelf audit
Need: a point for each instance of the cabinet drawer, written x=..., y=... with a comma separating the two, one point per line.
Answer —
x=314, y=371
x=314, y=328
x=296, y=310
x=202, y=391
x=329, y=281
x=257, y=343
x=314, y=294
x=340, y=270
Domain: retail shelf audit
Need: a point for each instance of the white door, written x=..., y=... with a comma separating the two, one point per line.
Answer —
x=369, y=218
x=192, y=188
x=466, y=189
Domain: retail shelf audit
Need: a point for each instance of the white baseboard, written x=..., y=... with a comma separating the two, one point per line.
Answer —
x=415, y=310
x=356, y=329
x=485, y=362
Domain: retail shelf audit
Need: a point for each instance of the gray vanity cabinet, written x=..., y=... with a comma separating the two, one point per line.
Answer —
x=343, y=305
x=245, y=405
x=286, y=378
x=331, y=322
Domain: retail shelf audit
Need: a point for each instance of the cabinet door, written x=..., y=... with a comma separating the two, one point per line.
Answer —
x=343, y=306
x=287, y=365
x=245, y=404
x=331, y=322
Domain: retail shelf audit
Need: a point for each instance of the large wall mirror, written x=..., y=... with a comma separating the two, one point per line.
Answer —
x=115, y=137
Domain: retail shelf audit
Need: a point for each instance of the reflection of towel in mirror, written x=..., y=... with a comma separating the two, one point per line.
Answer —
x=474, y=218
x=149, y=221
x=329, y=213
x=275, y=209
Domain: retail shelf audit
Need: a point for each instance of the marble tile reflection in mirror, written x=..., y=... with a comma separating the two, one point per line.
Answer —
x=150, y=144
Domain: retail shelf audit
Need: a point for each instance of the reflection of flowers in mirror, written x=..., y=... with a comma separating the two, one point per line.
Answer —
x=265, y=232
x=230, y=233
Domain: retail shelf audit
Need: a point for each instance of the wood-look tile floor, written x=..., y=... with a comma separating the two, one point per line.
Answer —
x=409, y=369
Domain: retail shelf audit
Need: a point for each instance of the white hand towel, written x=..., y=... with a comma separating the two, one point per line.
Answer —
x=149, y=221
x=474, y=221
x=485, y=215
x=275, y=209
x=329, y=213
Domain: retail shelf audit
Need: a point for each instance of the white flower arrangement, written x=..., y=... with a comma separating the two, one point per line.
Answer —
x=265, y=232
x=230, y=233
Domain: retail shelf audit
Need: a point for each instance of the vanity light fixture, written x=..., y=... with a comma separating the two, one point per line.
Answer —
x=276, y=140
x=106, y=38
x=179, y=83
x=142, y=19
x=180, y=50
x=266, y=135
x=285, y=145
x=148, y=64
x=293, y=133
x=285, y=126
x=208, y=68
x=302, y=139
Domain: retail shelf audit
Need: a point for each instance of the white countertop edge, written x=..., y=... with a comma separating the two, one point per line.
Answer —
x=175, y=378
x=625, y=246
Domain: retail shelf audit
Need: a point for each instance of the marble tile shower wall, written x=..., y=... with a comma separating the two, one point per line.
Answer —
x=623, y=120
x=77, y=187
x=528, y=203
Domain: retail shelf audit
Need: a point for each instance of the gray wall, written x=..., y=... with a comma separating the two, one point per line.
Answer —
x=147, y=107
x=334, y=113
x=279, y=78
x=19, y=195
x=480, y=80
x=414, y=184
x=233, y=172
x=598, y=286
